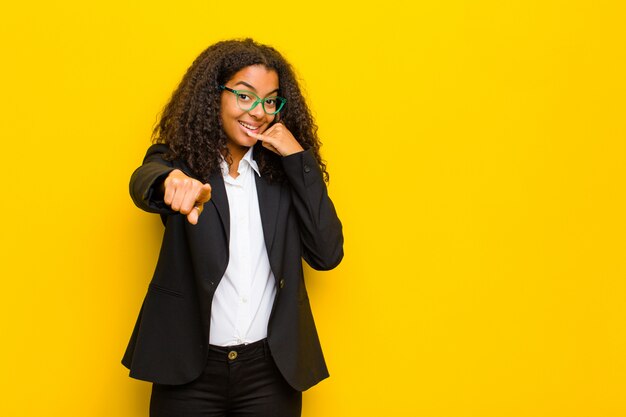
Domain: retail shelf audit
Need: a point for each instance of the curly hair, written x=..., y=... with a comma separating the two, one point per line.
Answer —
x=191, y=123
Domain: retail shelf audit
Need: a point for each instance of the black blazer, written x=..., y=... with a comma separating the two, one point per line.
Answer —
x=169, y=344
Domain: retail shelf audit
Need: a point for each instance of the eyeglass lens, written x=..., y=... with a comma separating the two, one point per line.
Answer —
x=247, y=100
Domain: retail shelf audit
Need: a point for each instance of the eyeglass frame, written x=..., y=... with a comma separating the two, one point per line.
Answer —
x=281, y=100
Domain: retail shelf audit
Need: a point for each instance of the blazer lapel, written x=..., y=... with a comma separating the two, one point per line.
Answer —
x=220, y=200
x=269, y=202
x=208, y=246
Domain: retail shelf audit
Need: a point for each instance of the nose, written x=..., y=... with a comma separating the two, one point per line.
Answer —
x=257, y=112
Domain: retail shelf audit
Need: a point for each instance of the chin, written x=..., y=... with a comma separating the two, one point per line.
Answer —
x=249, y=142
x=244, y=142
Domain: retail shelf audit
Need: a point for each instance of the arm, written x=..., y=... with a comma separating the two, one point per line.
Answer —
x=146, y=183
x=320, y=228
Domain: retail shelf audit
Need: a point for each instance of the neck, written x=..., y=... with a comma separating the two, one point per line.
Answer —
x=236, y=155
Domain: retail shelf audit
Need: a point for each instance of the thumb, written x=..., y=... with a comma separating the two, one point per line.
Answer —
x=193, y=216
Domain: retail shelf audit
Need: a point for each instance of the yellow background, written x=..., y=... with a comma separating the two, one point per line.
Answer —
x=477, y=156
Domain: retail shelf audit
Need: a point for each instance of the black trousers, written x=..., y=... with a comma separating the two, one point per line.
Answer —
x=238, y=381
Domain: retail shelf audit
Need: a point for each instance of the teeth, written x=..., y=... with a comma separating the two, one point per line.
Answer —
x=247, y=126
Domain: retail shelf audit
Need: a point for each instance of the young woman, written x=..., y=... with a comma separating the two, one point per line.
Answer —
x=226, y=328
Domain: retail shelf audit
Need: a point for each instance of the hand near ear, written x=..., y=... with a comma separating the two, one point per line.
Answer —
x=185, y=195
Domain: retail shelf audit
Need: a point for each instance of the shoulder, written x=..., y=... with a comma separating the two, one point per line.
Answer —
x=156, y=150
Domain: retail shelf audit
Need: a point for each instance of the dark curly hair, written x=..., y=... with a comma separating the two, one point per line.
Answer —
x=191, y=124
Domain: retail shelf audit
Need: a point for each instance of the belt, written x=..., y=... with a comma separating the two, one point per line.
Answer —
x=243, y=352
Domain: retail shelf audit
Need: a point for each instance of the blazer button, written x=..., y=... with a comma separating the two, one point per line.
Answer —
x=281, y=283
x=307, y=168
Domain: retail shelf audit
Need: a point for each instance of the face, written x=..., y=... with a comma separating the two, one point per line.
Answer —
x=236, y=122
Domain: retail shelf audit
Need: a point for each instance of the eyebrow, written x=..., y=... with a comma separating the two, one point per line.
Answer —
x=252, y=87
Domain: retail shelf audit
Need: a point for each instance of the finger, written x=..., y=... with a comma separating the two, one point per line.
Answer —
x=168, y=196
x=199, y=194
x=254, y=135
x=265, y=138
x=276, y=131
x=170, y=190
x=189, y=200
x=176, y=198
x=271, y=129
x=182, y=188
x=267, y=141
x=205, y=194
x=171, y=183
x=191, y=196
x=270, y=147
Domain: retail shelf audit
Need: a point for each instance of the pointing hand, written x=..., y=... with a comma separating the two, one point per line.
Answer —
x=186, y=195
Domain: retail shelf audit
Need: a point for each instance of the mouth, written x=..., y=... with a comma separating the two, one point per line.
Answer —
x=249, y=127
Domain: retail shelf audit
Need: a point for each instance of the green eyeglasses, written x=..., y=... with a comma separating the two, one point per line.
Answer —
x=247, y=100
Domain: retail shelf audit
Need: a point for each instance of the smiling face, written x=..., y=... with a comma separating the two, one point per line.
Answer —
x=236, y=122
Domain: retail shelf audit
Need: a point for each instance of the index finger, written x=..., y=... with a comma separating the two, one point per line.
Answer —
x=205, y=194
x=257, y=135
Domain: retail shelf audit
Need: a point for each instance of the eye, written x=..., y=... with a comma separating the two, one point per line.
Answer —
x=271, y=102
x=243, y=96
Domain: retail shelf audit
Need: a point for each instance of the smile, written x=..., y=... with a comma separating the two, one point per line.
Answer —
x=249, y=127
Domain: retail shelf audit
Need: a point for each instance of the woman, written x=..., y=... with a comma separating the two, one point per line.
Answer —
x=226, y=328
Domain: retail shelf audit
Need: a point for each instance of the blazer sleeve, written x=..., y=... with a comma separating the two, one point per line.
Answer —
x=145, y=182
x=320, y=228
